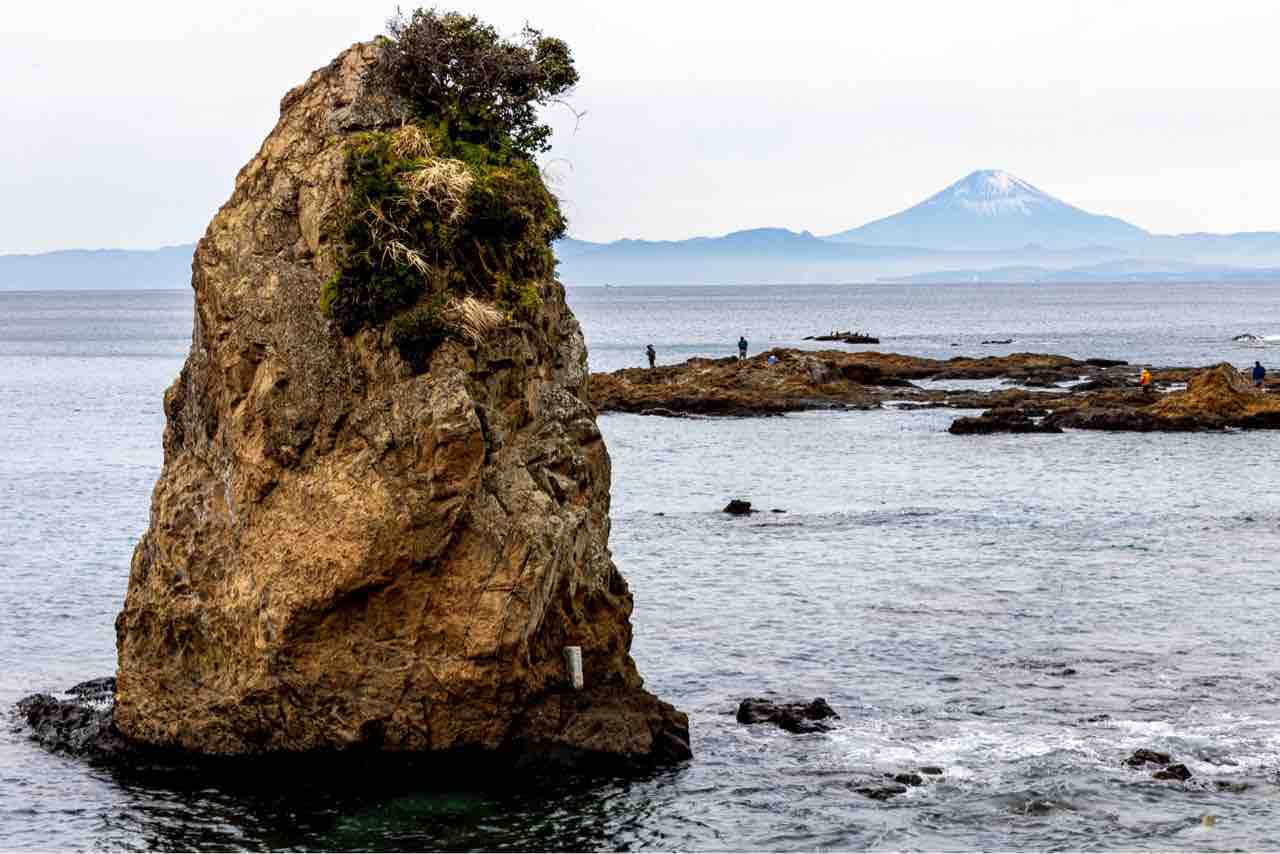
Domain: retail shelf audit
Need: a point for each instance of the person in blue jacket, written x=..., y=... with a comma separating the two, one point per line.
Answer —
x=742, y=347
x=1259, y=374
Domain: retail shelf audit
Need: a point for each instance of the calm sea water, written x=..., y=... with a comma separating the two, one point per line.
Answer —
x=962, y=601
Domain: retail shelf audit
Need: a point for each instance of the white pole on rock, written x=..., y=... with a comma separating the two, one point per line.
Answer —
x=573, y=666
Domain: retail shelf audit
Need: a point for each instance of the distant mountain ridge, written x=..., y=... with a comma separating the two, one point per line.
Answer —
x=99, y=269
x=988, y=225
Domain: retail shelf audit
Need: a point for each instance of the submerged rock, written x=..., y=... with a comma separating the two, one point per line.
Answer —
x=1143, y=756
x=351, y=549
x=795, y=717
x=75, y=727
x=881, y=793
x=738, y=507
x=1173, y=772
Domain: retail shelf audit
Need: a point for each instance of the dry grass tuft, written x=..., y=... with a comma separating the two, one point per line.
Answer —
x=405, y=256
x=410, y=142
x=442, y=182
x=475, y=318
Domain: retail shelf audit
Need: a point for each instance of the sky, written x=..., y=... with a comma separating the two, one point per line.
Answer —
x=125, y=123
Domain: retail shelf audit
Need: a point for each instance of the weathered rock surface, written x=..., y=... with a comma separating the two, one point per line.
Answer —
x=796, y=717
x=346, y=553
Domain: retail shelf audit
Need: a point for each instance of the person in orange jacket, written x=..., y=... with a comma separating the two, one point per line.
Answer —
x=1145, y=380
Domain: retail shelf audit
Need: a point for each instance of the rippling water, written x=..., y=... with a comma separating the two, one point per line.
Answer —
x=966, y=602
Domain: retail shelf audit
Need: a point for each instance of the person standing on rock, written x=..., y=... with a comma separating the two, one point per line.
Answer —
x=652, y=354
x=742, y=347
x=1259, y=374
x=1145, y=380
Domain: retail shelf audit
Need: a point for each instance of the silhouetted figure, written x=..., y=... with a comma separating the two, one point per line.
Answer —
x=1259, y=374
x=742, y=347
x=652, y=354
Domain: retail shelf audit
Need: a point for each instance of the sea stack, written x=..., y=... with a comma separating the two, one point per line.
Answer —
x=382, y=531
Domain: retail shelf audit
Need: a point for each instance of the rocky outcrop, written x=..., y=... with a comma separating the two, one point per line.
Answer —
x=803, y=380
x=795, y=717
x=1215, y=398
x=347, y=550
x=845, y=338
x=1145, y=758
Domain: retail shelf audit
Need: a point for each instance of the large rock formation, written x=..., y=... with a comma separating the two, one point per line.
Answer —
x=345, y=551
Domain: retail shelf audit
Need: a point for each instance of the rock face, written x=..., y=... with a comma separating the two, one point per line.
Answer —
x=346, y=552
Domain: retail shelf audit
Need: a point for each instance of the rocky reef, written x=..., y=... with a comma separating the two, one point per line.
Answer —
x=356, y=543
x=824, y=379
x=1036, y=393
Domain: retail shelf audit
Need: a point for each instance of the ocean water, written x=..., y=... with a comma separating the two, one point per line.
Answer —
x=965, y=602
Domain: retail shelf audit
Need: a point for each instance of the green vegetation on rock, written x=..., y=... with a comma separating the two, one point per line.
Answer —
x=451, y=203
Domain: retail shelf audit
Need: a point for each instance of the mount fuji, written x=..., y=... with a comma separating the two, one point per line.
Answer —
x=993, y=210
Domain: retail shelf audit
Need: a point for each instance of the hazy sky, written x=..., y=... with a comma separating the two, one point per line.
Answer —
x=126, y=122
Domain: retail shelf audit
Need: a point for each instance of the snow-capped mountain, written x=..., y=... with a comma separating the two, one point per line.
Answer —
x=992, y=209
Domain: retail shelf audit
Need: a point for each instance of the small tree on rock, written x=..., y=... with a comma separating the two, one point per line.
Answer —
x=485, y=89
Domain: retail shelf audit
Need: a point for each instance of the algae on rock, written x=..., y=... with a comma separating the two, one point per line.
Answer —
x=359, y=540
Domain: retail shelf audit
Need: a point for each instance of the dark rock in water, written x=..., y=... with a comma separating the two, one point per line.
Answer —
x=881, y=793
x=777, y=510
x=1143, y=756
x=74, y=727
x=999, y=341
x=931, y=770
x=1000, y=421
x=845, y=337
x=1173, y=772
x=1106, y=363
x=906, y=778
x=738, y=507
x=1230, y=786
x=794, y=717
x=1095, y=719
x=101, y=687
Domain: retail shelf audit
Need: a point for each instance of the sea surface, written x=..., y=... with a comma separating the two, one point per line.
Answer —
x=975, y=603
